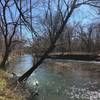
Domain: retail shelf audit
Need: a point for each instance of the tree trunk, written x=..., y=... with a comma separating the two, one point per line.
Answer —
x=52, y=46
x=69, y=45
x=5, y=58
x=29, y=72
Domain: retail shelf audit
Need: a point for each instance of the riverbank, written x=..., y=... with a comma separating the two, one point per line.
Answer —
x=73, y=65
x=12, y=56
x=8, y=89
x=61, y=79
x=76, y=56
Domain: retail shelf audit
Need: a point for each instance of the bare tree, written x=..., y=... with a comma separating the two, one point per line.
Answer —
x=54, y=31
x=96, y=31
x=70, y=6
x=86, y=37
x=9, y=27
x=69, y=32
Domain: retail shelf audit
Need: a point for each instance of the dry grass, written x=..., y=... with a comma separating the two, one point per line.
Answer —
x=72, y=53
x=6, y=92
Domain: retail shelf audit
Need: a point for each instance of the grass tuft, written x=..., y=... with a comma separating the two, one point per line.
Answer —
x=6, y=92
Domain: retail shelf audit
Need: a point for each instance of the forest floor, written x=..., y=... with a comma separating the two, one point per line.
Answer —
x=8, y=90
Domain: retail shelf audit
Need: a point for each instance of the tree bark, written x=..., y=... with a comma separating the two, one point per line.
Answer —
x=5, y=58
x=29, y=72
x=51, y=47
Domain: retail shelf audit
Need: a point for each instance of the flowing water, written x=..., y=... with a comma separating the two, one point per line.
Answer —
x=61, y=79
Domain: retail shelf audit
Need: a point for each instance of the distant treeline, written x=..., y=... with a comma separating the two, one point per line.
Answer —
x=76, y=38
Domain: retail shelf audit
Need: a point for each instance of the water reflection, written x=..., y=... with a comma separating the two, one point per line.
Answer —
x=21, y=64
x=69, y=80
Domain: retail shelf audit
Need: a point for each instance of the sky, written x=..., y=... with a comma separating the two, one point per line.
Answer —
x=84, y=15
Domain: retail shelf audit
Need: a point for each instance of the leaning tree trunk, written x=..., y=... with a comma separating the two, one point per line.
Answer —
x=29, y=72
x=51, y=47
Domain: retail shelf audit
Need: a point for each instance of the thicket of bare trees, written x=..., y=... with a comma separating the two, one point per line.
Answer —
x=10, y=34
x=80, y=39
x=48, y=23
x=8, y=27
x=56, y=16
